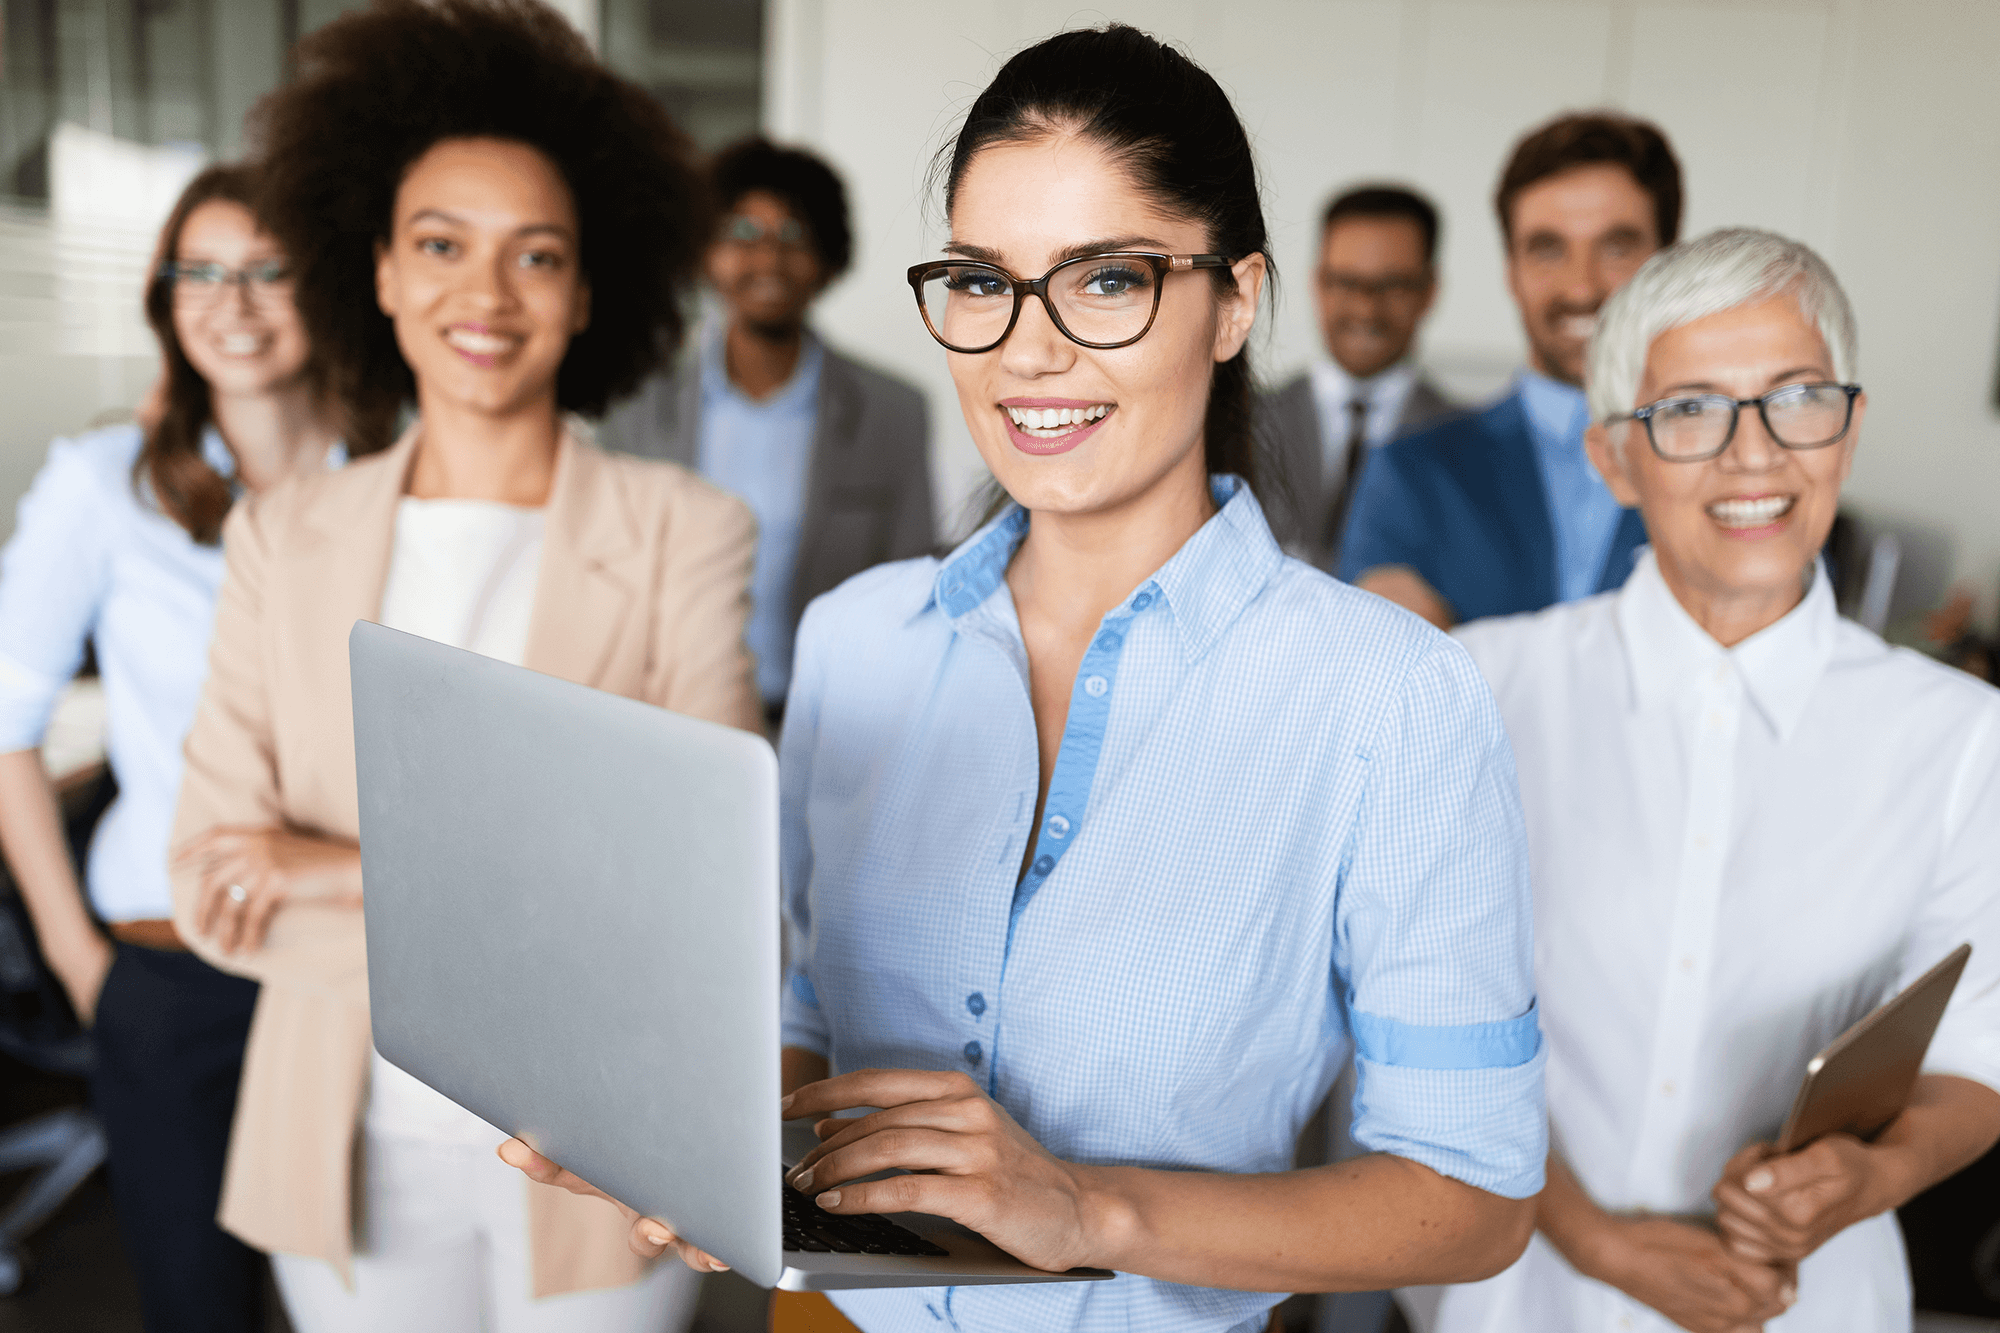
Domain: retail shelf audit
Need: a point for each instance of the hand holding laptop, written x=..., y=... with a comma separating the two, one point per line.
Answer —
x=649, y=1236
x=971, y=1162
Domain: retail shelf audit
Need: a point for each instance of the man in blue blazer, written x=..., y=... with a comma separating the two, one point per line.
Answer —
x=1501, y=511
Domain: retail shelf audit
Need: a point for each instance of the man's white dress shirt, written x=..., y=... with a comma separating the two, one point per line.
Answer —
x=1385, y=392
x=1737, y=853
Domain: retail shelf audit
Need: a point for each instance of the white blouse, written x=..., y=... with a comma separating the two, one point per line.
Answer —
x=463, y=572
x=1737, y=853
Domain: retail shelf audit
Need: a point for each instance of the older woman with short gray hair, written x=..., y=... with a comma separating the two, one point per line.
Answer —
x=1750, y=821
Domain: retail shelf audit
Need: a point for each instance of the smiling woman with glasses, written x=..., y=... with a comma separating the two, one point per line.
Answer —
x=1751, y=820
x=1113, y=835
x=118, y=549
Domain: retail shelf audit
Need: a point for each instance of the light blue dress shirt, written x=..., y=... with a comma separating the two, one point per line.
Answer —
x=1581, y=507
x=91, y=559
x=762, y=451
x=1282, y=825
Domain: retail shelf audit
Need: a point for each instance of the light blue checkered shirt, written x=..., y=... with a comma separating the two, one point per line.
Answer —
x=1283, y=824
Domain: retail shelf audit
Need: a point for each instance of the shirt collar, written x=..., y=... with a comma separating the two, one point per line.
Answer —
x=1779, y=664
x=217, y=455
x=1556, y=411
x=1206, y=583
x=1331, y=381
x=796, y=392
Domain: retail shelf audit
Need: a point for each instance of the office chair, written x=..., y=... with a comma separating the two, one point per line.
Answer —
x=38, y=1028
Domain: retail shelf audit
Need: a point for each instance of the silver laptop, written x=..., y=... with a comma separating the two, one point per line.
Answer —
x=573, y=933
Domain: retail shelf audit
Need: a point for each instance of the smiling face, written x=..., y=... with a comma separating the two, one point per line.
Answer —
x=1374, y=287
x=480, y=275
x=1574, y=239
x=245, y=339
x=767, y=282
x=1744, y=525
x=1071, y=429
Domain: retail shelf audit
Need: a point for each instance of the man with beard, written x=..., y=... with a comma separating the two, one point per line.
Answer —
x=1377, y=277
x=833, y=456
x=1501, y=512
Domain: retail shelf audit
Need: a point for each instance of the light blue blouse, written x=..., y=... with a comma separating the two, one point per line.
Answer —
x=93, y=560
x=1283, y=826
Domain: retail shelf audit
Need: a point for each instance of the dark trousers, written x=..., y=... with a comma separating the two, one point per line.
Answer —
x=170, y=1031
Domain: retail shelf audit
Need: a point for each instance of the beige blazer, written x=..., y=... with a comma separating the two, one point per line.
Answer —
x=643, y=591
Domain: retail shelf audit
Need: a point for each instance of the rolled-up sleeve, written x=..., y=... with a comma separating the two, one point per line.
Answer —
x=803, y=1021
x=1435, y=948
x=53, y=575
x=1965, y=906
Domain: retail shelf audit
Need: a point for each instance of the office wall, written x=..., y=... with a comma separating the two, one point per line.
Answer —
x=1869, y=128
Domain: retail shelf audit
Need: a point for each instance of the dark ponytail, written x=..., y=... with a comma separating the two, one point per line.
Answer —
x=1168, y=122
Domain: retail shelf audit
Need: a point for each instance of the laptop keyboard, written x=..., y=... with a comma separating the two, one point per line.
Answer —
x=810, y=1228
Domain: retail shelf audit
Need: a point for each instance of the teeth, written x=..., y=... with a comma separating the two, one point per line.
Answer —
x=242, y=344
x=1058, y=419
x=479, y=344
x=1756, y=513
x=1580, y=326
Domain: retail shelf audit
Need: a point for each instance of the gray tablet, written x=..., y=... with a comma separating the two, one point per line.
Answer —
x=1862, y=1080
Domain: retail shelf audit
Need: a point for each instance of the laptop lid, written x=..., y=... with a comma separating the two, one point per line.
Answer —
x=602, y=869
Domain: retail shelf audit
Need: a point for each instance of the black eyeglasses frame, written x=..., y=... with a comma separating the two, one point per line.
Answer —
x=1023, y=288
x=1736, y=405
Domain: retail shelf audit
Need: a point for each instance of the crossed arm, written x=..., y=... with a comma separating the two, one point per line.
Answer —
x=1362, y=1225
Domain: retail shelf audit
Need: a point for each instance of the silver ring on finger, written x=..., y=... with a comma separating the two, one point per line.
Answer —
x=238, y=894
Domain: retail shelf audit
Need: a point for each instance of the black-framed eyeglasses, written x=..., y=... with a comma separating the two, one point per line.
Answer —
x=1700, y=427
x=742, y=229
x=203, y=280
x=1098, y=301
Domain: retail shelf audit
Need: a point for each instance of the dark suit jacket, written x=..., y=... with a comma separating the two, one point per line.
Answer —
x=1297, y=496
x=868, y=487
x=1463, y=504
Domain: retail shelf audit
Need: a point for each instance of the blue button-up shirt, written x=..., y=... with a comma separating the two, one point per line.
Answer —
x=1581, y=507
x=93, y=559
x=761, y=449
x=1282, y=826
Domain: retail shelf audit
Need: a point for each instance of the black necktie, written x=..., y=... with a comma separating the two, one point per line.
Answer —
x=1357, y=453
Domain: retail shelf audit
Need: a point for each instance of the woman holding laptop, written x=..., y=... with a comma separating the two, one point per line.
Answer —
x=1751, y=821
x=523, y=220
x=1110, y=835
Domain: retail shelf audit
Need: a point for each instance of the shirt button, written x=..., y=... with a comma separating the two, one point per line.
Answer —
x=1044, y=864
x=1687, y=964
x=1667, y=1088
x=1142, y=601
x=1109, y=642
x=976, y=1002
x=973, y=1052
x=1715, y=721
x=1058, y=826
x=1095, y=686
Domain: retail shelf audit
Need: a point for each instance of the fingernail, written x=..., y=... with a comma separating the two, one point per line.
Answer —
x=717, y=1266
x=830, y=1199
x=803, y=1181
x=656, y=1236
x=785, y=1103
x=1759, y=1180
x=1789, y=1296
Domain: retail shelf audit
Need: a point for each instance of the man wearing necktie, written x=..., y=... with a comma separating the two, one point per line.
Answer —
x=1377, y=277
x=1499, y=512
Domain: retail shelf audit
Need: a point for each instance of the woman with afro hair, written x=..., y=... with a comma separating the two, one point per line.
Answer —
x=493, y=230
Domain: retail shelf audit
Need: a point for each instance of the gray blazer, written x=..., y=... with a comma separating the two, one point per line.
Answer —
x=868, y=486
x=1297, y=498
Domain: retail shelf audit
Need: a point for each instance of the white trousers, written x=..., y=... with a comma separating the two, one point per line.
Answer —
x=443, y=1248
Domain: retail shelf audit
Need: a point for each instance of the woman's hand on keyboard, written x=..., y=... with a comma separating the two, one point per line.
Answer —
x=973, y=1164
x=649, y=1237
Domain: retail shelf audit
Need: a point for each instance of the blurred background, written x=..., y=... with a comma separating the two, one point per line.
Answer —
x=1868, y=128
